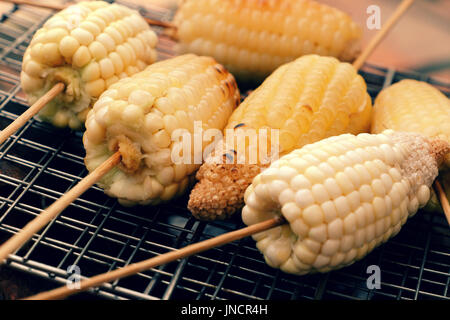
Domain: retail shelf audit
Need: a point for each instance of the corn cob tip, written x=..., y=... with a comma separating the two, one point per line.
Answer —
x=220, y=190
x=440, y=150
x=425, y=155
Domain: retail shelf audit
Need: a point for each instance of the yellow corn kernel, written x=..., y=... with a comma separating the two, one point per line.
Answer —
x=83, y=36
x=68, y=46
x=81, y=57
x=91, y=72
x=97, y=50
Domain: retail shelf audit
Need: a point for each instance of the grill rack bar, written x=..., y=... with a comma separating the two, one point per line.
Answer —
x=99, y=235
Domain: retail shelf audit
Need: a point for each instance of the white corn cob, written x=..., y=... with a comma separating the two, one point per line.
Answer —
x=254, y=37
x=138, y=116
x=88, y=47
x=415, y=106
x=342, y=197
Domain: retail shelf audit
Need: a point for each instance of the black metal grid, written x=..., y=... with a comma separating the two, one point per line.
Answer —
x=39, y=163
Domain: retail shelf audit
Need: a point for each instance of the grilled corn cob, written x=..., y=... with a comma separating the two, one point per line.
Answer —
x=304, y=101
x=254, y=37
x=415, y=106
x=88, y=47
x=341, y=197
x=139, y=116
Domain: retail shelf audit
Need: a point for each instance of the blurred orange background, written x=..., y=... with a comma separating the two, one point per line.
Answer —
x=420, y=40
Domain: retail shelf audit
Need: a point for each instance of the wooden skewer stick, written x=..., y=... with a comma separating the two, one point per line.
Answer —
x=20, y=238
x=443, y=199
x=63, y=292
x=164, y=24
x=401, y=9
x=31, y=111
x=134, y=268
x=41, y=4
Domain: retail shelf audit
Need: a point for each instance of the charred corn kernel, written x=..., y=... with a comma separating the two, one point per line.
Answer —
x=79, y=46
x=305, y=101
x=415, y=106
x=328, y=232
x=255, y=37
x=135, y=117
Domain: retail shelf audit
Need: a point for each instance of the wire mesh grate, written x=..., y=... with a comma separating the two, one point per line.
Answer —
x=39, y=163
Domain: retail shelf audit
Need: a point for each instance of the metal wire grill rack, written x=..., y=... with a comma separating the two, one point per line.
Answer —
x=39, y=163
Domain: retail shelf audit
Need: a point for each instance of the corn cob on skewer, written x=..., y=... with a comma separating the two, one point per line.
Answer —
x=415, y=106
x=306, y=100
x=254, y=37
x=138, y=116
x=88, y=47
x=342, y=197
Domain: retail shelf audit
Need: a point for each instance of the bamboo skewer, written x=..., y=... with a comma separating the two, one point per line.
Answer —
x=164, y=24
x=20, y=238
x=443, y=199
x=63, y=292
x=399, y=11
x=31, y=111
x=161, y=259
